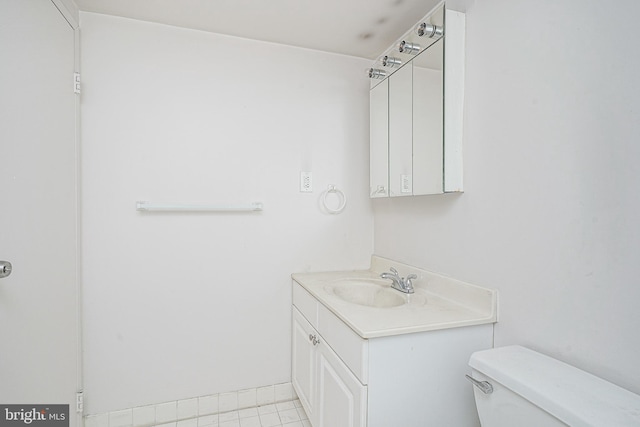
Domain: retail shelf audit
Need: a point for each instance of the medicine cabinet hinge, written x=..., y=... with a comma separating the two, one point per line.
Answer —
x=76, y=83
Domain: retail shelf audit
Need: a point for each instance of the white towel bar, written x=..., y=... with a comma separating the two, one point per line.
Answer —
x=186, y=207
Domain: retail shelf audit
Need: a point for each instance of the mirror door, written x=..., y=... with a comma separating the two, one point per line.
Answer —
x=400, y=132
x=428, y=107
x=379, y=140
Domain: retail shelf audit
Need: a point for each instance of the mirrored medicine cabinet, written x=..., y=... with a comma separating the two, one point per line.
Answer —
x=416, y=102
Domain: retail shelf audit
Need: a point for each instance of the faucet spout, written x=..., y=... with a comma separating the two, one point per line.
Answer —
x=399, y=283
x=395, y=279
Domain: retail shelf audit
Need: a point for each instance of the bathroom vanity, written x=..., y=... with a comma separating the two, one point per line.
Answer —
x=364, y=354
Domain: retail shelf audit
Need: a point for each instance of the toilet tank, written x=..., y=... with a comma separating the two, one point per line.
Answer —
x=534, y=390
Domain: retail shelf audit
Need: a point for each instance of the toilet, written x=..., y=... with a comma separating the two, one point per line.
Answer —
x=516, y=386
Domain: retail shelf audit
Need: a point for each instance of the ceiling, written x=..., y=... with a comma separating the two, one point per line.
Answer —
x=363, y=28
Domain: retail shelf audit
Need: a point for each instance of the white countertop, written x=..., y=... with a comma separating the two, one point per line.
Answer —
x=439, y=302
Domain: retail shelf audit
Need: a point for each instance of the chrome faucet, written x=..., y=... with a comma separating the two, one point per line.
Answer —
x=400, y=283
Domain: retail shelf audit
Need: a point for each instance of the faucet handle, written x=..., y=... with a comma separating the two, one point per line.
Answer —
x=409, y=279
x=393, y=270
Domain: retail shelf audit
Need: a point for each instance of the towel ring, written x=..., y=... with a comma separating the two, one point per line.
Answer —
x=332, y=189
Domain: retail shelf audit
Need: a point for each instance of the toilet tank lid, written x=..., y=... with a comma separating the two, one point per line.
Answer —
x=573, y=396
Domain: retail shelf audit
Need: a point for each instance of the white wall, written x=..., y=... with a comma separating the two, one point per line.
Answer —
x=551, y=208
x=181, y=305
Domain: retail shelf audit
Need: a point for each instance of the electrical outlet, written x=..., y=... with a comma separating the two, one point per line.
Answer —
x=405, y=181
x=306, y=183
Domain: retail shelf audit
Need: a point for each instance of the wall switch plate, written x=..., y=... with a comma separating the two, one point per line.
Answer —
x=306, y=183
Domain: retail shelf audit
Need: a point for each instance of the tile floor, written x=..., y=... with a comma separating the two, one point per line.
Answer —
x=284, y=414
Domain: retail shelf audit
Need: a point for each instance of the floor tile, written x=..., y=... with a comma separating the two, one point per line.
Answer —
x=288, y=413
x=208, y=420
x=270, y=420
x=250, y=422
x=228, y=416
x=289, y=416
x=302, y=414
x=267, y=409
x=192, y=422
x=249, y=412
x=285, y=405
x=122, y=418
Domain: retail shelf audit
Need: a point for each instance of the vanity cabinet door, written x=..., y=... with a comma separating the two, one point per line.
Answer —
x=303, y=362
x=342, y=399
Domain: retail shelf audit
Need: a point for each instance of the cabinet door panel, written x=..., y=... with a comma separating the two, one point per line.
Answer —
x=342, y=399
x=303, y=363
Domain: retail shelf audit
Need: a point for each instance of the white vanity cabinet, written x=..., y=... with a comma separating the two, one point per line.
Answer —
x=408, y=380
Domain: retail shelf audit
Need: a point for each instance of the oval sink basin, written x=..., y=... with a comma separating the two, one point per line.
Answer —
x=368, y=293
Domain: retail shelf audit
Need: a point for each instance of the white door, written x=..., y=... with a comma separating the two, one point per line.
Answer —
x=38, y=207
x=342, y=399
x=303, y=362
